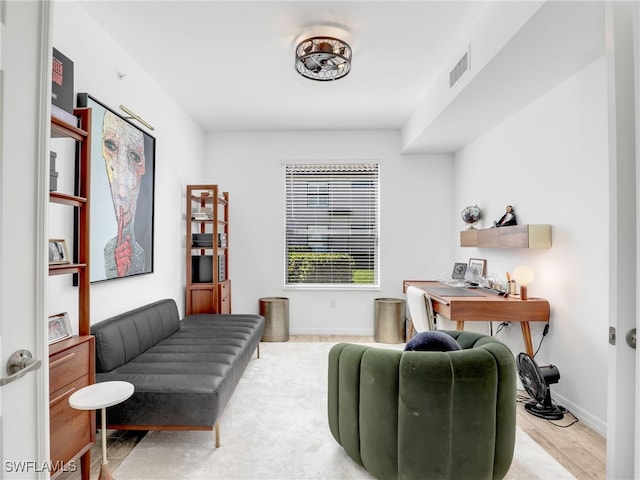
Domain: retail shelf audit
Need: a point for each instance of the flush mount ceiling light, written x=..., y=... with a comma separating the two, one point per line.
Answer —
x=323, y=58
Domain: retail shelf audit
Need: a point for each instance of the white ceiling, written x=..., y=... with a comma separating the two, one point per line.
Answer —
x=231, y=64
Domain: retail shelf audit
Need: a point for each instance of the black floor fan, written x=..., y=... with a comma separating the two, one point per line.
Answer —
x=536, y=381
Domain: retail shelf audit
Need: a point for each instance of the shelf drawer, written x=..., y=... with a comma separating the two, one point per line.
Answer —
x=68, y=365
x=224, y=297
x=225, y=290
x=225, y=305
x=70, y=428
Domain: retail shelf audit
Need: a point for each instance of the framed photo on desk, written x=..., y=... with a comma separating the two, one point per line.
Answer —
x=459, y=269
x=476, y=269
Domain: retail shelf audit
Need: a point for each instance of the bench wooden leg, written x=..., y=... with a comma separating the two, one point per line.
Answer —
x=216, y=428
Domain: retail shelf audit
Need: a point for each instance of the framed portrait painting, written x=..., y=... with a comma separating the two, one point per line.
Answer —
x=122, y=161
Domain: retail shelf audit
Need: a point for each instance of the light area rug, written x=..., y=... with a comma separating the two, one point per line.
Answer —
x=275, y=427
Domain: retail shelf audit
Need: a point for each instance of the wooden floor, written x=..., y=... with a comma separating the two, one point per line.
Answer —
x=578, y=448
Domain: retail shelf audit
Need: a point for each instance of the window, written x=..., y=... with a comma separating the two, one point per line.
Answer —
x=318, y=194
x=332, y=225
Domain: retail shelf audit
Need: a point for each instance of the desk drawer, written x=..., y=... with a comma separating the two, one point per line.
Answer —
x=68, y=365
x=70, y=428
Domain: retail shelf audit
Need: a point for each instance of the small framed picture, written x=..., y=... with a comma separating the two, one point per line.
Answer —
x=59, y=327
x=459, y=269
x=476, y=269
x=58, y=253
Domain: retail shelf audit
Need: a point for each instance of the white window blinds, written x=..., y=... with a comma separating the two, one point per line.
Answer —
x=332, y=224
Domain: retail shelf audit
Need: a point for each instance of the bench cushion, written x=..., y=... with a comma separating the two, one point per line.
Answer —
x=122, y=338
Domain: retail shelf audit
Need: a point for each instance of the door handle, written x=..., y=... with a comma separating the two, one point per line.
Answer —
x=19, y=364
x=631, y=338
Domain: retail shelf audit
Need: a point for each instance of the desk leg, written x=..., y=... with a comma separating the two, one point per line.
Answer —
x=460, y=326
x=526, y=335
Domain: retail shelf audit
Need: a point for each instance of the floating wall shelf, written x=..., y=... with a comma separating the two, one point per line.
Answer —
x=517, y=236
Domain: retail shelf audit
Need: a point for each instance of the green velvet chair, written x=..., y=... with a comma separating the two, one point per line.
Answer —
x=425, y=415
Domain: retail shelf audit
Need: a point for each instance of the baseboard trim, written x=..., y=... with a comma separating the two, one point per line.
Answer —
x=356, y=332
x=585, y=417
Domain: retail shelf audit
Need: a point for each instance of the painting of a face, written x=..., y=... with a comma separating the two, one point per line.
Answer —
x=123, y=152
x=121, y=170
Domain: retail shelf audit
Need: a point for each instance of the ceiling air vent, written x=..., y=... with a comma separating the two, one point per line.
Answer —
x=461, y=67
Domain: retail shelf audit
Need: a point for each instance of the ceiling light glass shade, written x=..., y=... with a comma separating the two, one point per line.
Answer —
x=323, y=58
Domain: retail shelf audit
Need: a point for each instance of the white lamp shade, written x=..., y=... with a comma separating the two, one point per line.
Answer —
x=523, y=275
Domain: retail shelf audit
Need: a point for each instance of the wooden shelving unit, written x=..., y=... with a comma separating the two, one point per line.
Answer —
x=208, y=288
x=72, y=361
x=516, y=236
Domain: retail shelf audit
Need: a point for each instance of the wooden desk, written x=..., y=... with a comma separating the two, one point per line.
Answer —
x=485, y=307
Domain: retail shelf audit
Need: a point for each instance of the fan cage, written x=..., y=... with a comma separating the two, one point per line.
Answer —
x=531, y=377
x=535, y=381
x=323, y=58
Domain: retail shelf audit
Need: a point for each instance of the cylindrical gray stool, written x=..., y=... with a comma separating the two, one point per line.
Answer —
x=389, y=318
x=275, y=311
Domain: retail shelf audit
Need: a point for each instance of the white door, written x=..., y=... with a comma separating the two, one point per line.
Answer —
x=624, y=295
x=25, y=65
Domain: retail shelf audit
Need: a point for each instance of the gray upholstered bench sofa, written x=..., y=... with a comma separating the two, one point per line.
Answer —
x=184, y=372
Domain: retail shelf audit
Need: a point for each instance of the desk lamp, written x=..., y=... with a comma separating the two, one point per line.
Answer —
x=524, y=276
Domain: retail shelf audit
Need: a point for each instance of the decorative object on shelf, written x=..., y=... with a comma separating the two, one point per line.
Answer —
x=62, y=88
x=122, y=159
x=476, y=269
x=58, y=253
x=53, y=175
x=508, y=219
x=59, y=327
x=323, y=58
x=202, y=240
x=471, y=215
x=524, y=276
x=459, y=269
x=222, y=240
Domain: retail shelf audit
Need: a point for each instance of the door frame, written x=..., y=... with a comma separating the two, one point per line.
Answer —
x=636, y=71
x=621, y=25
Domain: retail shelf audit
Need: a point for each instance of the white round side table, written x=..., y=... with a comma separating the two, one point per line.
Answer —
x=102, y=395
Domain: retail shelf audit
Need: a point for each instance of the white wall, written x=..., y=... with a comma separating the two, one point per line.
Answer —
x=97, y=58
x=416, y=225
x=550, y=161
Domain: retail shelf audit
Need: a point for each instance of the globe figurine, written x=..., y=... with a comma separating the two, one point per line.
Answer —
x=471, y=216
